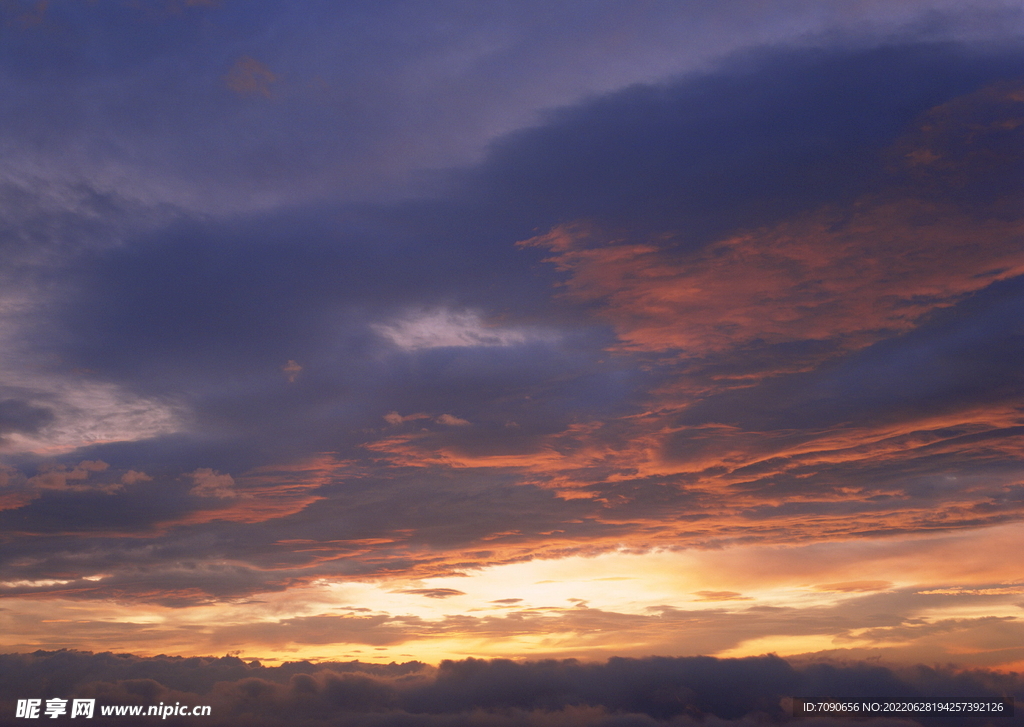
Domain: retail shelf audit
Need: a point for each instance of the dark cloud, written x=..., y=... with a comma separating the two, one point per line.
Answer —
x=768, y=136
x=434, y=592
x=21, y=416
x=651, y=691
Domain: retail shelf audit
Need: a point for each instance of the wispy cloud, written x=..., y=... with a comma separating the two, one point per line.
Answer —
x=445, y=328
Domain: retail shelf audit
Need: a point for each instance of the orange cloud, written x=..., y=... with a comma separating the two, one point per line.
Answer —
x=732, y=485
x=291, y=371
x=853, y=275
x=59, y=477
x=132, y=477
x=752, y=600
x=850, y=275
x=721, y=596
x=262, y=494
x=210, y=483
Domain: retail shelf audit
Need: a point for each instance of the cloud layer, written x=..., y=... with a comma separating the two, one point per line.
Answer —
x=734, y=332
x=652, y=691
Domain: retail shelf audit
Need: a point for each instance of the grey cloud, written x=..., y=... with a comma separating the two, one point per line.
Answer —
x=21, y=416
x=650, y=691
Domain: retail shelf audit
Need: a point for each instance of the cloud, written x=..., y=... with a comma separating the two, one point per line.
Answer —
x=248, y=77
x=394, y=418
x=210, y=483
x=359, y=119
x=291, y=370
x=208, y=607
x=1003, y=590
x=651, y=691
x=721, y=596
x=60, y=477
x=854, y=586
x=434, y=592
x=851, y=274
x=446, y=329
x=131, y=477
x=452, y=421
x=20, y=416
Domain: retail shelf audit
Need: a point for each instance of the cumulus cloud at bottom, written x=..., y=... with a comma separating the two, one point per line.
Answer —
x=647, y=691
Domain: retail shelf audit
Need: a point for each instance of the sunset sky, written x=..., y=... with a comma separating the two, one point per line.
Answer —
x=391, y=331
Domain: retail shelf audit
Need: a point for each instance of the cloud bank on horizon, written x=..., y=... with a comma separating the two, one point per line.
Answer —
x=680, y=691
x=397, y=331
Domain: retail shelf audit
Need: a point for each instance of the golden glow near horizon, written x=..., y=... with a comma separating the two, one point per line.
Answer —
x=731, y=602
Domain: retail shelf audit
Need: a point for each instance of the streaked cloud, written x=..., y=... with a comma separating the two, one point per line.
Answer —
x=434, y=592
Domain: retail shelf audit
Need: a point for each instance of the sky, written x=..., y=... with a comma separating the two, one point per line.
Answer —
x=460, y=339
